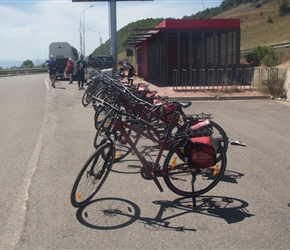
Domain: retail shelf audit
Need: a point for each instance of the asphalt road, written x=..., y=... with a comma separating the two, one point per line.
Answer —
x=47, y=135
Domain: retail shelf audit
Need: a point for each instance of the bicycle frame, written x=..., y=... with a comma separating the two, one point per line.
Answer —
x=120, y=126
x=143, y=111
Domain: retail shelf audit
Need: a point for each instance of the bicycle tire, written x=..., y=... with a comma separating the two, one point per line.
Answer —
x=88, y=94
x=87, y=97
x=104, y=126
x=100, y=114
x=101, y=111
x=181, y=183
x=92, y=175
x=102, y=92
x=222, y=133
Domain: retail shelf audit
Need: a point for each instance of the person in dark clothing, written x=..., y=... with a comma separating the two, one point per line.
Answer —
x=128, y=66
x=81, y=65
x=51, y=66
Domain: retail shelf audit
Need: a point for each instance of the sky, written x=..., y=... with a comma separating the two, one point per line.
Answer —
x=29, y=26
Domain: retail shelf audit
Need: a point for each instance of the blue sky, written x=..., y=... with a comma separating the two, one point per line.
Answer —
x=29, y=26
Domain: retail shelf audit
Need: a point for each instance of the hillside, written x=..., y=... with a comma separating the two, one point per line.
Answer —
x=123, y=34
x=261, y=24
x=255, y=30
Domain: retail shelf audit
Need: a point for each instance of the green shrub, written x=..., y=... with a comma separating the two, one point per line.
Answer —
x=270, y=20
x=272, y=58
x=263, y=55
x=256, y=56
x=27, y=64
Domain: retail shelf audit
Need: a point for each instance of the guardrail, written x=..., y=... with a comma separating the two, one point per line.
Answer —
x=275, y=46
x=4, y=72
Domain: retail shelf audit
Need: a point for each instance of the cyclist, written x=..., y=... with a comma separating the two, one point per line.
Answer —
x=51, y=66
x=128, y=66
x=81, y=70
x=70, y=69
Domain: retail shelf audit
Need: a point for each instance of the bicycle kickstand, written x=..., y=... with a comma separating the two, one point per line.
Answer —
x=192, y=186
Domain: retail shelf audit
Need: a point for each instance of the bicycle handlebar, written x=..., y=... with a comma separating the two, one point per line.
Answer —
x=138, y=99
x=133, y=117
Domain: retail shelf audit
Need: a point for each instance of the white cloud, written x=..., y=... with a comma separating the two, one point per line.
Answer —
x=28, y=27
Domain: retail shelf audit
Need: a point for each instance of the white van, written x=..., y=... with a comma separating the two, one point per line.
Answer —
x=62, y=51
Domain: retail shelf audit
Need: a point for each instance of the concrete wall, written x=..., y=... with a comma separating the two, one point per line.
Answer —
x=287, y=84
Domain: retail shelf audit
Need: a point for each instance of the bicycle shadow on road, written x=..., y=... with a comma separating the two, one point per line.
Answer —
x=115, y=213
x=232, y=176
x=59, y=87
x=134, y=167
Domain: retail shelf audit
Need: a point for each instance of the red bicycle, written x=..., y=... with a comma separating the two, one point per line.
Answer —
x=194, y=164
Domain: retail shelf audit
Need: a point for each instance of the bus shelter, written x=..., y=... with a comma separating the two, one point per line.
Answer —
x=184, y=51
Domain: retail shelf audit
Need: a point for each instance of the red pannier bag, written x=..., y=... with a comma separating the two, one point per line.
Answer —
x=168, y=109
x=200, y=152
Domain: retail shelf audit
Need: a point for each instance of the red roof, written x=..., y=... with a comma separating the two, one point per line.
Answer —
x=174, y=24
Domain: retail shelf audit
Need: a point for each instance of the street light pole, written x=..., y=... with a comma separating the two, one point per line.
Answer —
x=81, y=38
x=82, y=32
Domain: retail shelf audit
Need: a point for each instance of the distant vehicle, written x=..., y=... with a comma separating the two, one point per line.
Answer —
x=62, y=51
x=101, y=62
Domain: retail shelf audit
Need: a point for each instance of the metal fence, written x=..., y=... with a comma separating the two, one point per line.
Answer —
x=226, y=79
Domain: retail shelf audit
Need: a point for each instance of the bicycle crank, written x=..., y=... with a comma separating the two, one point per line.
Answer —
x=145, y=175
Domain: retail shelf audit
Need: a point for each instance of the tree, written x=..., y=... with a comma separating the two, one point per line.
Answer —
x=272, y=58
x=256, y=55
x=27, y=64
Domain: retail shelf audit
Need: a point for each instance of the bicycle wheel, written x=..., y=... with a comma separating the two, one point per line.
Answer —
x=100, y=114
x=216, y=131
x=87, y=96
x=89, y=93
x=179, y=174
x=103, y=126
x=92, y=175
x=219, y=132
x=161, y=126
x=122, y=147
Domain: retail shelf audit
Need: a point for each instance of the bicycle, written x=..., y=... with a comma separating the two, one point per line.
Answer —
x=148, y=112
x=190, y=168
x=153, y=114
x=92, y=90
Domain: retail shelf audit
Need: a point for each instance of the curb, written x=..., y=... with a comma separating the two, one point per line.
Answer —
x=216, y=98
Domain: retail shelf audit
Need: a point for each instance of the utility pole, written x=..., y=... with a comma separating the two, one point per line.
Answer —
x=82, y=32
x=101, y=43
x=113, y=29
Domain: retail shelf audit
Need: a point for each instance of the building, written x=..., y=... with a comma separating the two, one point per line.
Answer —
x=187, y=51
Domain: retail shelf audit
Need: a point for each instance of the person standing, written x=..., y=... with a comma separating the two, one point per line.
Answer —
x=70, y=69
x=51, y=66
x=81, y=65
